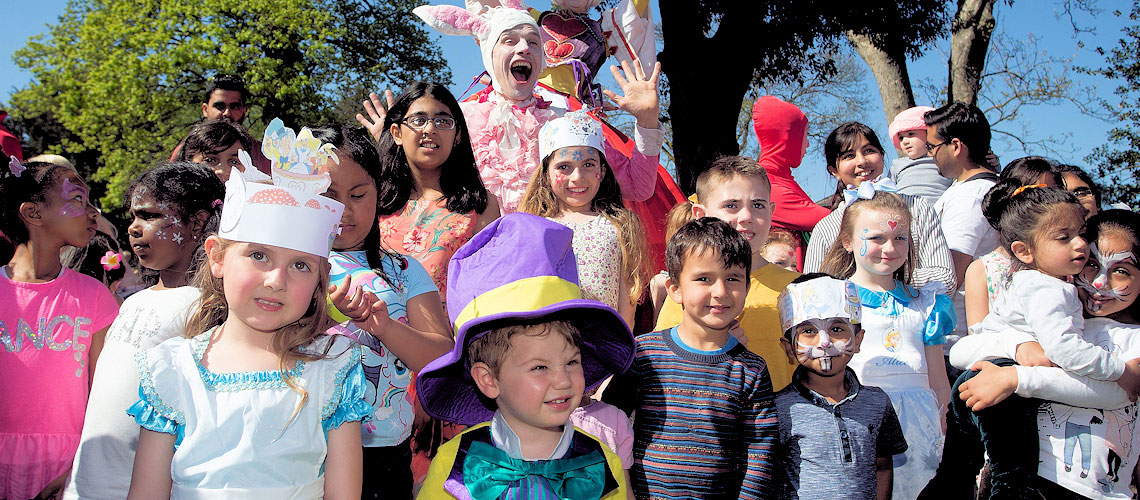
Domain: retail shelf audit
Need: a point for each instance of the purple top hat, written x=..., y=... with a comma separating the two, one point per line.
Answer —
x=519, y=267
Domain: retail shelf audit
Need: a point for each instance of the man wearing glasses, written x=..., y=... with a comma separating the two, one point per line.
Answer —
x=225, y=100
x=958, y=138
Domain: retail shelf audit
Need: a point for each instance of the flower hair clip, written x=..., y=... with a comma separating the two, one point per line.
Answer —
x=1023, y=188
x=111, y=260
x=15, y=166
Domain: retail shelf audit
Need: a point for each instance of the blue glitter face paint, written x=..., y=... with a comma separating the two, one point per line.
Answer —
x=863, y=249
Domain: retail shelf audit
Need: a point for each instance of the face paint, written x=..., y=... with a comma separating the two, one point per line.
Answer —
x=1099, y=287
x=177, y=237
x=863, y=249
x=824, y=349
x=887, y=221
x=74, y=199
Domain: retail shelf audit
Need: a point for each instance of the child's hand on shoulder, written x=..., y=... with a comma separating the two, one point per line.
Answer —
x=364, y=308
x=735, y=330
x=990, y=386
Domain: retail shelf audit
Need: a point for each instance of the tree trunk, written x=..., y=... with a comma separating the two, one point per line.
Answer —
x=970, y=34
x=888, y=63
x=707, y=83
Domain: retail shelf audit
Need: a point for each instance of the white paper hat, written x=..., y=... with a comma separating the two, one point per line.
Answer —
x=484, y=20
x=820, y=298
x=576, y=128
x=290, y=212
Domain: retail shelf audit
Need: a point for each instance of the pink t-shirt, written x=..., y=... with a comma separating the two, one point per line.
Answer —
x=45, y=330
x=610, y=425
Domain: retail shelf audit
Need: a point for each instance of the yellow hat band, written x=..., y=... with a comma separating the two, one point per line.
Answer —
x=524, y=295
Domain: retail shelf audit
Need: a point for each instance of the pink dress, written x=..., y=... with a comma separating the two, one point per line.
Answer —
x=46, y=330
x=504, y=138
x=430, y=233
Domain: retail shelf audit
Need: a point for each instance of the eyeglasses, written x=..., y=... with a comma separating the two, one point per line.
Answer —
x=419, y=122
x=1082, y=192
x=932, y=147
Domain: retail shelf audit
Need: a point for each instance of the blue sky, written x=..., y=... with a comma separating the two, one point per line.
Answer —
x=1024, y=18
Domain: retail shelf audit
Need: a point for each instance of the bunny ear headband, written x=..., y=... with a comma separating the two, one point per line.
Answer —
x=483, y=19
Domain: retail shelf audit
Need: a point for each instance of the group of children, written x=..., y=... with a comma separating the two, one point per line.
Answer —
x=287, y=341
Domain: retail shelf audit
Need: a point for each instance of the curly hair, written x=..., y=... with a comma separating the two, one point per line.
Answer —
x=539, y=199
x=30, y=186
x=188, y=189
x=459, y=180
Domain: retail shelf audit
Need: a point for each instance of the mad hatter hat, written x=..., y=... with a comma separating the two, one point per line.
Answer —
x=520, y=267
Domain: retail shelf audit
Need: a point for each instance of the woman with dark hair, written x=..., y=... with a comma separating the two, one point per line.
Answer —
x=1077, y=181
x=855, y=159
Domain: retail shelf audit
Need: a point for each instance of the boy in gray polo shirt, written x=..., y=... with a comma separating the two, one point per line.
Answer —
x=836, y=437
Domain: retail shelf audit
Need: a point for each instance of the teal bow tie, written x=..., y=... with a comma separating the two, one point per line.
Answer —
x=488, y=472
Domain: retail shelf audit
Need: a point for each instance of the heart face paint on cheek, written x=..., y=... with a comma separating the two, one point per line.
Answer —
x=72, y=206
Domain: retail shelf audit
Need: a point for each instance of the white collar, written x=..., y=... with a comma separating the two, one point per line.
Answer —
x=505, y=439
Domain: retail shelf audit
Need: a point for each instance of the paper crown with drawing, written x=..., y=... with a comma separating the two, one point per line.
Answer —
x=817, y=301
x=575, y=128
x=289, y=212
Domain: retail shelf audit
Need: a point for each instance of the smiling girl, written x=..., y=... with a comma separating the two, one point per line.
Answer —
x=854, y=156
x=905, y=328
x=577, y=188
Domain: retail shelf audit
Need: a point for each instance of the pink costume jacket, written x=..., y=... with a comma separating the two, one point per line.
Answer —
x=504, y=137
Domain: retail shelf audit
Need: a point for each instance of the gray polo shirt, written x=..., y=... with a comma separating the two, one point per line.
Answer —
x=828, y=451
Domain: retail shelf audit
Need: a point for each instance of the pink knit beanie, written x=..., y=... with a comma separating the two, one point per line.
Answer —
x=908, y=119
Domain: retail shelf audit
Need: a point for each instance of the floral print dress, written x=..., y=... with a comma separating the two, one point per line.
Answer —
x=430, y=233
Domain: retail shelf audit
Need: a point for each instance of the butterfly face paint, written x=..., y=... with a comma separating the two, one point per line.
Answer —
x=74, y=199
x=1104, y=285
x=823, y=339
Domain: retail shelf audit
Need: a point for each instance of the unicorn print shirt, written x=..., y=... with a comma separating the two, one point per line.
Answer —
x=387, y=377
x=46, y=330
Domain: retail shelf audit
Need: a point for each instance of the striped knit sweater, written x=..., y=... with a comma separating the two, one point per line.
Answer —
x=705, y=422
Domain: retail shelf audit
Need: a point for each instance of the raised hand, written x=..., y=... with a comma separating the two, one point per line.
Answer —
x=364, y=309
x=639, y=92
x=376, y=113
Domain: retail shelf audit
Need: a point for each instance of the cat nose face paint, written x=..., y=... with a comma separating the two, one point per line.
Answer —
x=1100, y=286
x=823, y=339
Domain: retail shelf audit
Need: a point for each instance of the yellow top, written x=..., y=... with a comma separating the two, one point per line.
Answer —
x=443, y=462
x=760, y=320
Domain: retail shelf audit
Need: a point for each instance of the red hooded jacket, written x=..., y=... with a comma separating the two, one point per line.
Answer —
x=9, y=143
x=780, y=128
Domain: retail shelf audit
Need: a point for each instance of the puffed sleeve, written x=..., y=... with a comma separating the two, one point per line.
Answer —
x=347, y=403
x=158, y=410
x=940, y=320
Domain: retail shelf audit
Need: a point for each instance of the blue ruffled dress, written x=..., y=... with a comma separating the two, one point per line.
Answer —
x=234, y=436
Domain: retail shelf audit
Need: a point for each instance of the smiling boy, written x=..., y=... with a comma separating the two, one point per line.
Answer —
x=694, y=386
x=527, y=346
x=736, y=190
x=848, y=431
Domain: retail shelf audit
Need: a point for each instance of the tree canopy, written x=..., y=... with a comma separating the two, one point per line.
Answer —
x=118, y=82
x=1118, y=161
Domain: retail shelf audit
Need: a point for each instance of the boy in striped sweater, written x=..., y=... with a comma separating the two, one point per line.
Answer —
x=705, y=420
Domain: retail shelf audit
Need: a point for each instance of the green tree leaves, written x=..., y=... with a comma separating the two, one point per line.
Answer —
x=124, y=79
x=1118, y=161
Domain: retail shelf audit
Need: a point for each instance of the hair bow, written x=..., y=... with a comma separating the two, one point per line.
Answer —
x=111, y=260
x=867, y=190
x=15, y=166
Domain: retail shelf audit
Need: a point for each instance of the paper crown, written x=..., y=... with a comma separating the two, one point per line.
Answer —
x=576, y=128
x=290, y=212
x=820, y=298
x=484, y=20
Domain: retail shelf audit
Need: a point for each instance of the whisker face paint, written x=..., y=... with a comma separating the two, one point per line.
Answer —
x=1099, y=288
x=820, y=345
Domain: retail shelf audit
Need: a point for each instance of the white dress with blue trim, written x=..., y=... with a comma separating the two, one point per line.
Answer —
x=897, y=328
x=233, y=435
